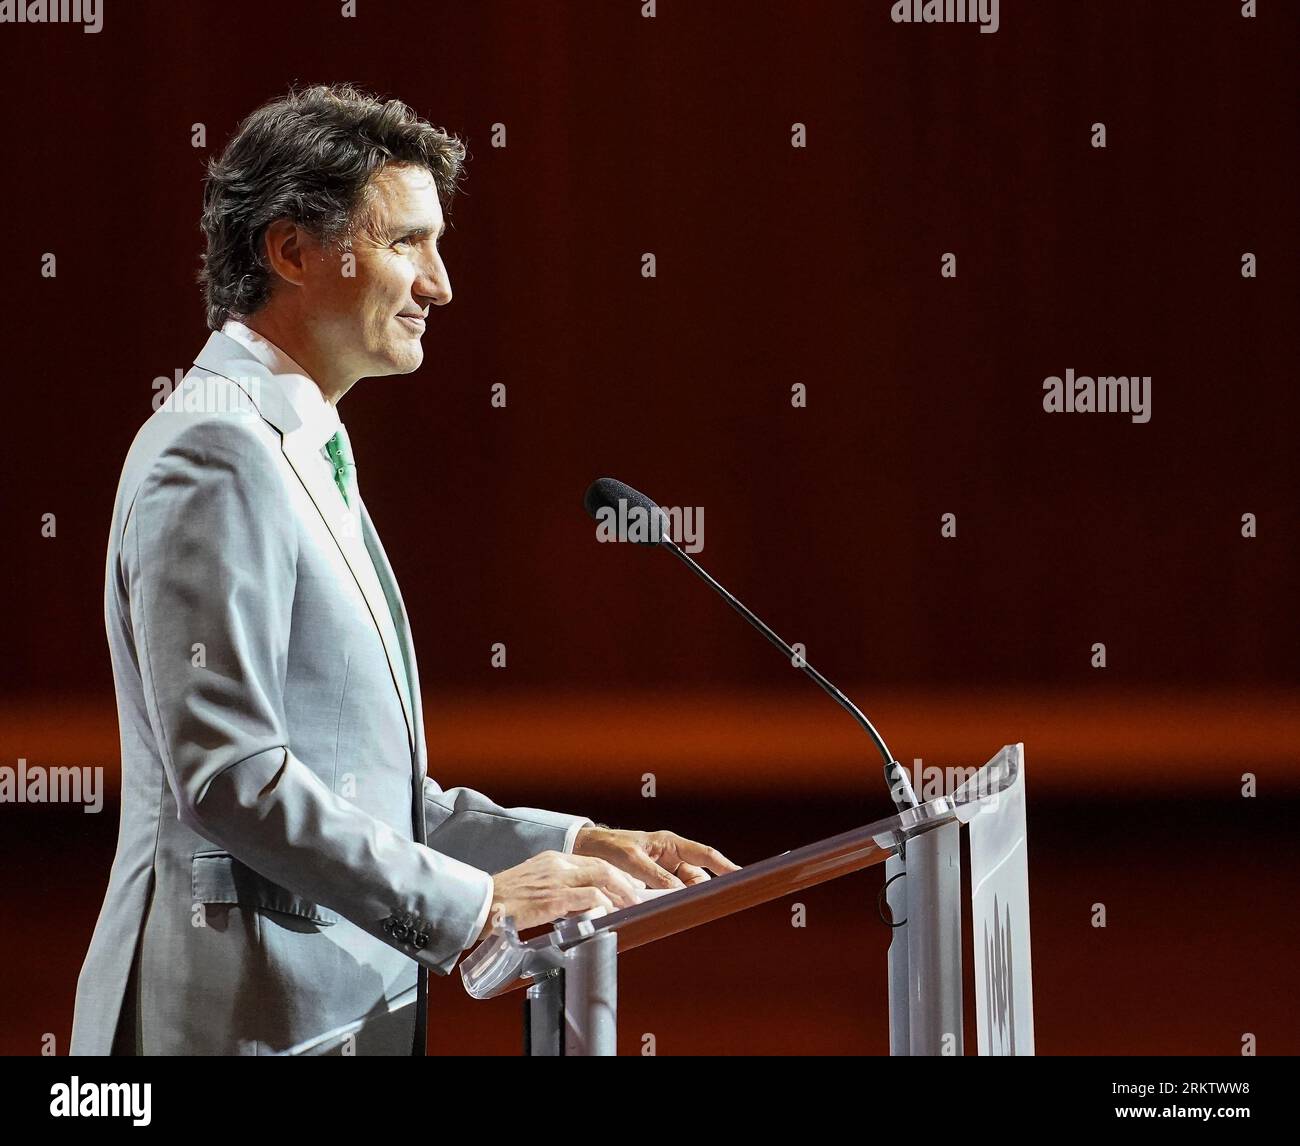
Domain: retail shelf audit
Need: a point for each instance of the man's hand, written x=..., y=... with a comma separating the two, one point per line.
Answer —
x=660, y=859
x=553, y=884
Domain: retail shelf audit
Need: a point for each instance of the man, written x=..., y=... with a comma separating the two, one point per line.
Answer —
x=286, y=873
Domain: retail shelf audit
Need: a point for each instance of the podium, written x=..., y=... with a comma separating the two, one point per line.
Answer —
x=570, y=972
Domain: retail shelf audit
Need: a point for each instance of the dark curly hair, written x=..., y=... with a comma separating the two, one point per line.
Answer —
x=308, y=156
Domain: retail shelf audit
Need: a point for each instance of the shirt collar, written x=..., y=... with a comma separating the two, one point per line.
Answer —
x=319, y=418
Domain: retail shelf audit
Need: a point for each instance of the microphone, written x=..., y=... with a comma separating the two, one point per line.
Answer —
x=607, y=496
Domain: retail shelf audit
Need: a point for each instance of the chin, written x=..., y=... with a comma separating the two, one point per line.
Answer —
x=405, y=360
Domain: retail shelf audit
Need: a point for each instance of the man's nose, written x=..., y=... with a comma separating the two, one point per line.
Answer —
x=434, y=285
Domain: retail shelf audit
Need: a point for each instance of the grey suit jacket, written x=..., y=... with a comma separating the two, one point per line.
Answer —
x=285, y=868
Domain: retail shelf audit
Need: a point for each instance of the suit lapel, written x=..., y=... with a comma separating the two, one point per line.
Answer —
x=237, y=366
x=402, y=623
x=306, y=461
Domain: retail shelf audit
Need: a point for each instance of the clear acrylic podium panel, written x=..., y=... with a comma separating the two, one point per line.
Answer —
x=999, y=862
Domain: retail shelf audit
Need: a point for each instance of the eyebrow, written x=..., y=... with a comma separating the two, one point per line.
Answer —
x=420, y=229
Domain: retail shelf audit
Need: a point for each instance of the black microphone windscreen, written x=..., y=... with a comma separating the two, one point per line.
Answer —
x=606, y=493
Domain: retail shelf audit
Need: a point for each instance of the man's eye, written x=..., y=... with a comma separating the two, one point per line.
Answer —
x=411, y=239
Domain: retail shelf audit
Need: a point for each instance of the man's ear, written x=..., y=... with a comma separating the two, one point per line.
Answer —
x=283, y=244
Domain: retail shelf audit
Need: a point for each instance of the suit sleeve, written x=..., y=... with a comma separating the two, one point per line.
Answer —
x=210, y=566
x=466, y=824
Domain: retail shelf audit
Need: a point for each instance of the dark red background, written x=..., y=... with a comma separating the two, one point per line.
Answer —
x=775, y=265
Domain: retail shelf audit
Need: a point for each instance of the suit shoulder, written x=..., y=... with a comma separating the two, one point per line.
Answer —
x=218, y=439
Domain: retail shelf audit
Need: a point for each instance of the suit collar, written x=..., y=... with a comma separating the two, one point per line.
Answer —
x=222, y=355
x=320, y=419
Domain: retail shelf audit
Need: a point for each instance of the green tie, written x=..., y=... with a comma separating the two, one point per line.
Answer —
x=345, y=477
x=345, y=468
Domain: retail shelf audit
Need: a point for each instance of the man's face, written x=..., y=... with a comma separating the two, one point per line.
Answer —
x=369, y=322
